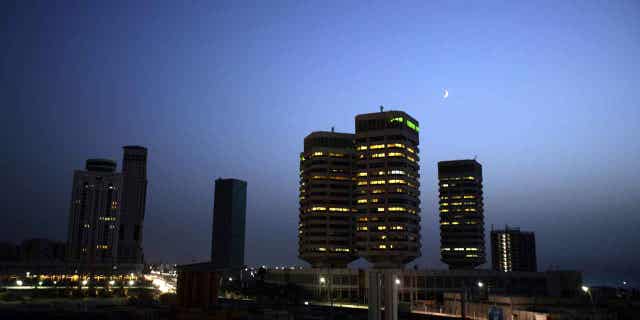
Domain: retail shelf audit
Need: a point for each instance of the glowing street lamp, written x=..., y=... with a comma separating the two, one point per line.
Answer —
x=84, y=282
x=19, y=283
x=111, y=282
x=397, y=281
x=323, y=280
x=480, y=284
x=585, y=289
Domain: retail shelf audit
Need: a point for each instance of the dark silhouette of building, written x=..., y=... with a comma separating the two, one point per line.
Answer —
x=461, y=214
x=134, y=195
x=387, y=188
x=326, y=199
x=42, y=251
x=93, y=219
x=229, y=214
x=513, y=250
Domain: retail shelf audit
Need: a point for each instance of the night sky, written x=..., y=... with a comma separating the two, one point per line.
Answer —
x=545, y=94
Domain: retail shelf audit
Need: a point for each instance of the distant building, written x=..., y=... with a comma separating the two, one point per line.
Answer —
x=387, y=188
x=513, y=250
x=134, y=195
x=229, y=214
x=94, y=216
x=326, y=200
x=461, y=214
x=42, y=251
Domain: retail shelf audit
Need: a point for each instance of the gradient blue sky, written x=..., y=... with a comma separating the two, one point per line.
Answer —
x=546, y=94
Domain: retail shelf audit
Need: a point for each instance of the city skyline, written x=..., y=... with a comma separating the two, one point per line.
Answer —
x=556, y=131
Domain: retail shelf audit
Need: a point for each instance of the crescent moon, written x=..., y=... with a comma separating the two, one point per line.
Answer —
x=446, y=94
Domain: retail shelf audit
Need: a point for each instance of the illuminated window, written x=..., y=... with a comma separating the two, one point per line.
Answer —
x=361, y=148
x=318, y=209
x=338, y=155
x=362, y=200
x=395, y=145
x=446, y=249
x=444, y=223
x=380, y=209
x=382, y=227
x=412, y=159
x=458, y=249
x=397, y=119
x=363, y=228
x=469, y=197
x=413, y=126
x=397, y=172
x=377, y=182
x=375, y=200
x=396, y=154
x=382, y=246
x=444, y=210
x=445, y=185
x=362, y=174
x=399, y=181
x=470, y=210
x=444, y=204
x=471, y=249
x=362, y=183
x=397, y=228
x=397, y=209
x=378, y=155
x=375, y=191
x=341, y=250
x=376, y=146
x=455, y=222
x=317, y=154
x=339, y=209
x=322, y=249
x=469, y=178
x=410, y=150
x=381, y=173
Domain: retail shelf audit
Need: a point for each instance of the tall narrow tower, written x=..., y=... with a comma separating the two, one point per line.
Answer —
x=513, y=250
x=387, y=188
x=326, y=200
x=229, y=215
x=461, y=214
x=134, y=171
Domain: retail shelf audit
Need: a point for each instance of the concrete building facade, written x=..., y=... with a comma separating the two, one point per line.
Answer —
x=461, y=214
x=134, y=197
x=387, y=188
x=513, y=250
x=326, y=228
x=92, y=242
x=229, y=215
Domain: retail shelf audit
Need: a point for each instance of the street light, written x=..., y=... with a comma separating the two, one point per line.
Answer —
x=131, y=283
x=397, y=281
x=480, y=284
x=585, y=289
x=19, y=283
x=306, y=303
x=323, y=280
x=84, y=282
x=111, y=282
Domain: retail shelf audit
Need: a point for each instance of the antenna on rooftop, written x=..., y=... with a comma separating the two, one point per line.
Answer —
x=381, y=108
x=332, y=129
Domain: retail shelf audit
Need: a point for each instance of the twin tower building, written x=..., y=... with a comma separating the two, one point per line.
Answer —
x=360, y=197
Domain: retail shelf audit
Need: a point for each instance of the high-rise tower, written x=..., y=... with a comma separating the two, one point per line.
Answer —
x=92, y=241
x=461, y=214
x=387, y=188
x=326, y=200
x=513, y=250
x=134, y=195
x=229, y=215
